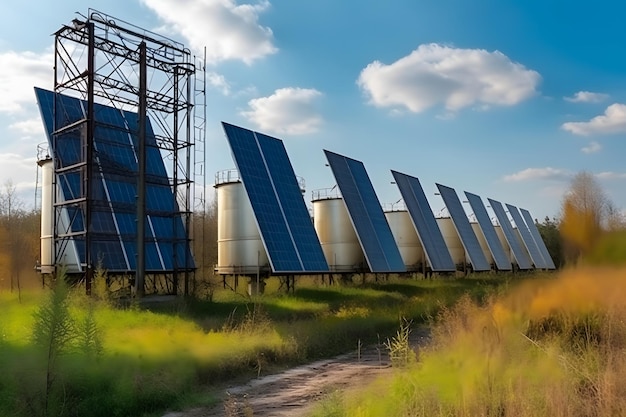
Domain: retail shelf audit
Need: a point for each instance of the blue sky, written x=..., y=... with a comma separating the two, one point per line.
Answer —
x=505, y=99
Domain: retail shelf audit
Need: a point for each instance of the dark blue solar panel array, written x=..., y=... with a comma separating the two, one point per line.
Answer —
x=500, y=257
x=520, y=254
x=114, y=187
x=425, y=223
x=538, y=240
x=535, y=255
x=464, y=229
x=281, y=214
x=370, y=224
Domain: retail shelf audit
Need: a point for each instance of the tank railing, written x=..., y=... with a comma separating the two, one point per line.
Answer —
x=325, y=194
x=227, y=176
x=301, y=183
x=397, y=206
x=43, y=152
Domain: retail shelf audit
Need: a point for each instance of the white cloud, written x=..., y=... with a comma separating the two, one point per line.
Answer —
x=29, y=127
x=587, y=97
x=547, y=173
x=609, y=175
x=219, y=82
x=287, y=111
x=230, y=31
x=434, y=74
x=612, y=121
x=593, y=147
x=20, y=72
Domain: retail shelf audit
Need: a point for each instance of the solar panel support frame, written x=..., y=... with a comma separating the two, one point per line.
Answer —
x=105, y=42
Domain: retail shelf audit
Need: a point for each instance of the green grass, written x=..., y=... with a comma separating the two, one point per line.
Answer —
x=544, y=347
x=170, y=355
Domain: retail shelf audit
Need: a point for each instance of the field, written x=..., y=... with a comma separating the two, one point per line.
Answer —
x=67, y=355
x=552, y=346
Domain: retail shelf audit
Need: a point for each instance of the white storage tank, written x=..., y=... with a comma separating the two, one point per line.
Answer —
x=452, y=239
x=46, y=260
x=518, y=235
x=406, y=237
x=482, y=241
x=503, y=241
x=68, y=253
x=240, y=249
x=335, y=231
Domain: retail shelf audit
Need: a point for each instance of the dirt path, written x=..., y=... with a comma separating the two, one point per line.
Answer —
x=295, y=391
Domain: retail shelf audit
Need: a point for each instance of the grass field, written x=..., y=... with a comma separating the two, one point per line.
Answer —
x=168, y=355
x=553, y=346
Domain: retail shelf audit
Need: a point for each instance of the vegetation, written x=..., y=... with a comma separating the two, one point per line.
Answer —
x=547, y=347
x=64, y=354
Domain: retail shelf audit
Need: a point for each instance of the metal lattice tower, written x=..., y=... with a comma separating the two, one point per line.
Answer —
x=103, y=60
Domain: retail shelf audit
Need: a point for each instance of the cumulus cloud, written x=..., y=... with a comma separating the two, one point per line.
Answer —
x=435, y=74
x=612, y=121
x=587, y=97
x=609, y=175
x=593, y=147
x=28, y=127
x=20, y=72
x=288, y=111
x=230, y=31
x=219, y=82
x=547, y=173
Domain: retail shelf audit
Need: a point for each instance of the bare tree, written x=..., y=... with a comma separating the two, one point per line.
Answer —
x=585, y=209
x=20, y=229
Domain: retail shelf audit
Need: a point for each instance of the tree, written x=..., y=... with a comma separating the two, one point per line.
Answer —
x=20, y=234
x=584, y=209
x=549, y=231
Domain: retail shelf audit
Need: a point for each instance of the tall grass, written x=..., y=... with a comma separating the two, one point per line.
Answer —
x=138, y=361
x=553, y=347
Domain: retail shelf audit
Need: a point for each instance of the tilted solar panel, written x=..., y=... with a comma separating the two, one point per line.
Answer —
x=520, y=254
x=367, y=216
x=529, y=242
x=464, y=229
x=500, y=257
x=114, y=187
x=284, y=223
x=425, y=224
x=541, y=245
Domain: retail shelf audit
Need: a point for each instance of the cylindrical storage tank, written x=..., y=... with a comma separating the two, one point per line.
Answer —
x=521, y=243
x=240, y=249
x=452, y=239
x=503, y=241
x=482, y=241
x=47, y=209
x=406, y=237
x=337, y=236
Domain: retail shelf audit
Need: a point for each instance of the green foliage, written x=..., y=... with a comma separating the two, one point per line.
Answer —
x=151, y=360
x=549, y=231
x=609, y=250
x=88, y=335
x=399, y=346
x=54, y=331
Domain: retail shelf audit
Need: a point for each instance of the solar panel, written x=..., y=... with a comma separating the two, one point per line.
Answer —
x=500, y=257
x=367, y=216
x=464, y=229
x=527, y=238
x=425, y=224
x=520, y=254
x=538, y=240
x=114, y=187
x=282, y=217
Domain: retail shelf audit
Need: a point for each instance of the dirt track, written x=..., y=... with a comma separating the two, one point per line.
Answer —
x=295, y=391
